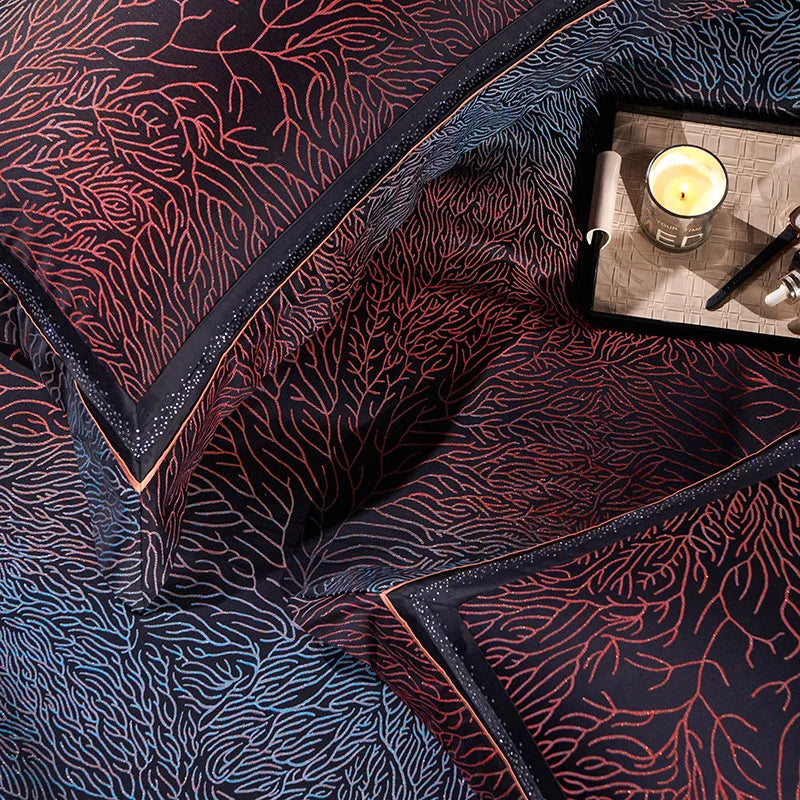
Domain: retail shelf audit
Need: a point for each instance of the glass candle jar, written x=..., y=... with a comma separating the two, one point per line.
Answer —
x=684, y=187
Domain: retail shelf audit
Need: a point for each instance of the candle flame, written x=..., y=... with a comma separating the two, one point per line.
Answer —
x=684, y=191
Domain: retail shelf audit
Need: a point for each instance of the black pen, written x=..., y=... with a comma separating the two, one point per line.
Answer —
x=785, y=239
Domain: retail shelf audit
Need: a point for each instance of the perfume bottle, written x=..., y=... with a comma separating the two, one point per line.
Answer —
x=789, y=288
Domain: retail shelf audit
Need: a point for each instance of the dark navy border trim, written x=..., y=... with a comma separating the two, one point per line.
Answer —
x=507, y=728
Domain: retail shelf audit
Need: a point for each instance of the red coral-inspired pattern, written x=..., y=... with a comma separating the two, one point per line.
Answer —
x=666, y=665
x=501, y=306
x=150, y=151
x=663, y=665
x=462, y=407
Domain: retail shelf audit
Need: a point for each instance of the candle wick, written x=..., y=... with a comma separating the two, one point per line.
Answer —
x=683, y=195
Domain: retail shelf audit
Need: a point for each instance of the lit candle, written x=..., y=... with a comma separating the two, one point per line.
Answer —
x=685, y=186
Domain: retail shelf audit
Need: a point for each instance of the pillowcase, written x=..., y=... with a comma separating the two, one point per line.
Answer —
x=170, y=236
x=650, y=656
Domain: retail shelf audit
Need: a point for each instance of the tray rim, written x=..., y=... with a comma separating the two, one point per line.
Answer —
x=589, y=256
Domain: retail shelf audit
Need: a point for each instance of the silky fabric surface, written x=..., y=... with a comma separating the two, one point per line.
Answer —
x=453, y=407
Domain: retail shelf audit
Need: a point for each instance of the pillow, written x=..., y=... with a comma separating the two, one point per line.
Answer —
x=651, y=656
x=177, y=218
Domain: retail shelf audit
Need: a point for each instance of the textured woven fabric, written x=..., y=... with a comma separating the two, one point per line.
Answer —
x=421, y=395
x=213, y=693
x=151, y=157
x=564, y=426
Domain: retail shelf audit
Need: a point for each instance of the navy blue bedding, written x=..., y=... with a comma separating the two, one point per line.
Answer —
x=406, y=386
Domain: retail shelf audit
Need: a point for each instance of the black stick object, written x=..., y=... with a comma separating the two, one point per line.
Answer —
x=785, y=239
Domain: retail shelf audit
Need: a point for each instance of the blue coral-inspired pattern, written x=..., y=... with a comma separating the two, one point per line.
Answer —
x=213, y=694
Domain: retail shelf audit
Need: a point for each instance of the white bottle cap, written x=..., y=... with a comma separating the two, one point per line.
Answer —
x=778, y=296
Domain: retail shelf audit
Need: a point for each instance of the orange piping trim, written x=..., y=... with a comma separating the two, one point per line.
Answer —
x=388, y=603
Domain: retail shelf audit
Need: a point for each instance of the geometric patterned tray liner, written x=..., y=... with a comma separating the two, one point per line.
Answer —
x=636, y=279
